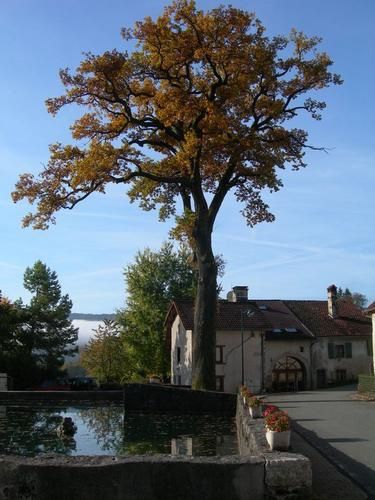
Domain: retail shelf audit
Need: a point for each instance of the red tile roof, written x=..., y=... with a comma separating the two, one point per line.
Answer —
x=281, y=319
x=350, y=320
x=370, y=308
x=228, y=315
x=283, y=323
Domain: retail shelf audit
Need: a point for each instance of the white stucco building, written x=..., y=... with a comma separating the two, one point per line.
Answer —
x=276, y=345
x=370, y=311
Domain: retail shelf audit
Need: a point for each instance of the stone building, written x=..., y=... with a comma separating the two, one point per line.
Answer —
x=278, y=345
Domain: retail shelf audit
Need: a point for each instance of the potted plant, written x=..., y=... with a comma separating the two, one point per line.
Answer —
x=269, y=409
x=245, y=393
x=254, y=406
x=278, y=430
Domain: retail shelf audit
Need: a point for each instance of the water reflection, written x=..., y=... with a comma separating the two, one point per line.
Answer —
x=30, y=431
x=108, y=430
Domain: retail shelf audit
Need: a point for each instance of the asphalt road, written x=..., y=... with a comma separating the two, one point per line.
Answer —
x=341, y=428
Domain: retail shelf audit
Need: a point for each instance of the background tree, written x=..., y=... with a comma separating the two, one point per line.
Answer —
x=9, y=324
x=152, y=282
x=103, y=357
x=47, y=333
x=201, y=108
x=359, y=299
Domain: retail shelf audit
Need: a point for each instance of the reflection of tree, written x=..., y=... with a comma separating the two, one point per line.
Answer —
x=153, y=433
x=106, y=422
x=137, y=433
x=30, y=431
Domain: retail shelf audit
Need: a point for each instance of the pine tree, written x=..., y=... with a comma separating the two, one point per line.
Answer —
x=47, y=334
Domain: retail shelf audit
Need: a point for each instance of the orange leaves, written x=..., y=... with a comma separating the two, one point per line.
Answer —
x=206, y=98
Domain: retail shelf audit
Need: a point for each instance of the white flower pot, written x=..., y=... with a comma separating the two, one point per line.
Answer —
x=255, y=411
x=278, y=440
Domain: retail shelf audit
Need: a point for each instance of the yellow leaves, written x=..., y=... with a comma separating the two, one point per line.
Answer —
x=202, y=89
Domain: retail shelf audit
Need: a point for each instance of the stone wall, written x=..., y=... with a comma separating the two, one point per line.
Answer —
x=141, y=397
x=286, y=475
x=255, y=474
x=3, y=382
x=161, y=398
x=137, y=478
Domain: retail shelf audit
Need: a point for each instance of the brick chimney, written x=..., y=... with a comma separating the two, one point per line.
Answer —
x=332, y=299
x=238, y=294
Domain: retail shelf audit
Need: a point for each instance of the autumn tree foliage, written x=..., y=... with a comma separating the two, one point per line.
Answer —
x=200, y=108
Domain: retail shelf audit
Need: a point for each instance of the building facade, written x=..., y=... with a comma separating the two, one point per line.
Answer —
x=276, y=345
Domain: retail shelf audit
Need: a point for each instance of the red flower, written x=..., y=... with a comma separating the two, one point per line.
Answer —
x=270, y=409
x=277, y=421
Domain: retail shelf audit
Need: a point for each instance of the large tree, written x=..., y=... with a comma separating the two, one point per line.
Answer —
x=152, y=282
x=200, y=108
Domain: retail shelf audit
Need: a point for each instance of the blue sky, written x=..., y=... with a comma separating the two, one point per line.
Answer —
x=323, y=233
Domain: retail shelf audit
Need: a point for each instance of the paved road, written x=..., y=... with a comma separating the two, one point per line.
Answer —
x=341, y=428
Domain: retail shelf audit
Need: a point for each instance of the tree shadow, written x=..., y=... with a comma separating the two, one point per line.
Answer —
x=346, y=440
x=360, y=474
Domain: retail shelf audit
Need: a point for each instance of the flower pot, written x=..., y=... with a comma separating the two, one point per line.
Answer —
x=278, y=440
x=255, y=411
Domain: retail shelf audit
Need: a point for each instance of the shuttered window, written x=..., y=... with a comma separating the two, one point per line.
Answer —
x=348, y=349
x=331, y=351
x=369, y=346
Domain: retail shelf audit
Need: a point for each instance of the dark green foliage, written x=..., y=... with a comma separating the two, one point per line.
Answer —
x=35, y=338
x=47, y=333
x=357, y=298
x=153, y=281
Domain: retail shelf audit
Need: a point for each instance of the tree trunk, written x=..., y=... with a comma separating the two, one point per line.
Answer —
x=204, y=332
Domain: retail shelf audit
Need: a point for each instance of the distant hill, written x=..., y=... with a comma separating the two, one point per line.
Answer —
x=92, y=317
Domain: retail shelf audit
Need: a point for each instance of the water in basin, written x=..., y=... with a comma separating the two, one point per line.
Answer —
x=109, y=430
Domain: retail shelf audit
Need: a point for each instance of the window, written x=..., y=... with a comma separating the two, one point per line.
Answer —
x=178, y=354
x=220, y=383
x=340, y=350
x=179, y=380
x=301, y=349
x=348, y=349
x=220, y=354
x=340, y=375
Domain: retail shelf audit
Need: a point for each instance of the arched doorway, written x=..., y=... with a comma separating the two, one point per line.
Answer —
x=288, y=375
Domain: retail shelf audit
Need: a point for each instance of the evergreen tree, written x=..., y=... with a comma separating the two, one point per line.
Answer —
x=47, y=334
x=359, y=299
